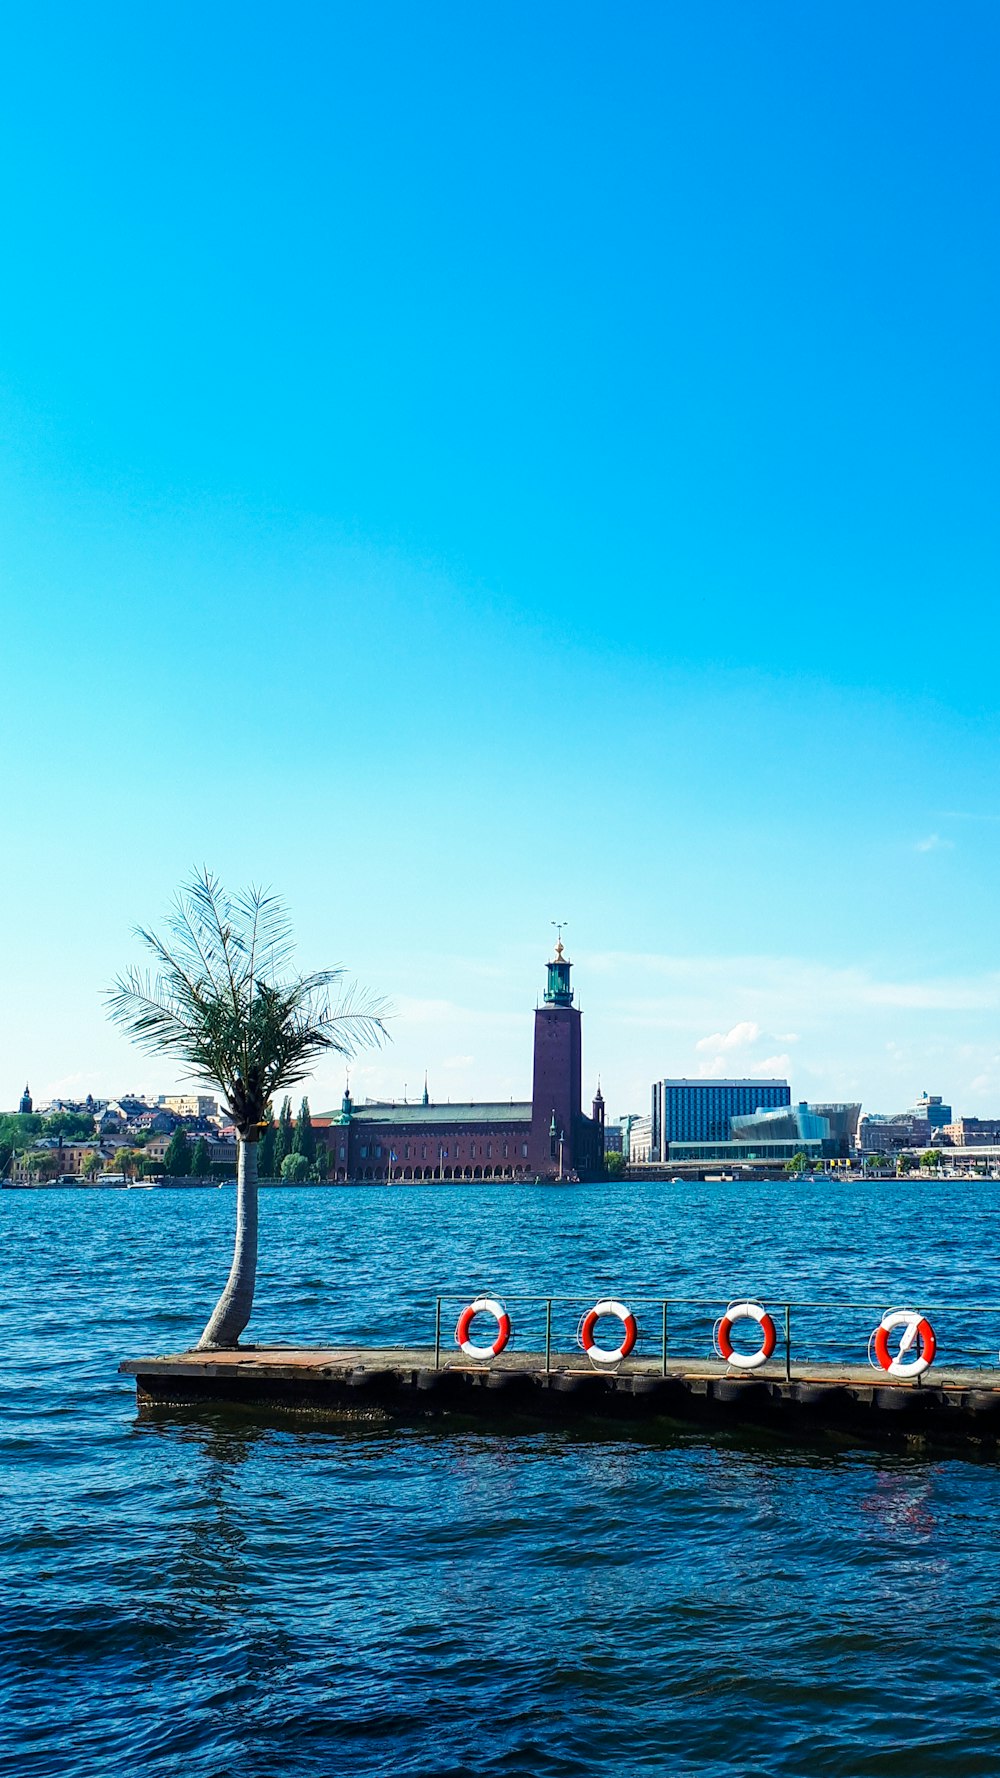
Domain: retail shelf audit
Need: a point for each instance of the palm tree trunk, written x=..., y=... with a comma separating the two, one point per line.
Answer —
x=232, y=1311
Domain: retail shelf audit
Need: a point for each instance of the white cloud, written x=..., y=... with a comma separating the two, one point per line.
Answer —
x=934, y=843
x=738, y=1038
x=717, y=1067
x=769, y=1065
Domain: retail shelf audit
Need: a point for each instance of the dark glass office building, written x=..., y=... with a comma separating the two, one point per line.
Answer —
x=700, y=1110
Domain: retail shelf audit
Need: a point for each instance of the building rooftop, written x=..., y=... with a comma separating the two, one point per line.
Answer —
x=506, y=1111
x=705, y=1080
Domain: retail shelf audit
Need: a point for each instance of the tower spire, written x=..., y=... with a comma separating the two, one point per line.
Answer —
x=557, y=989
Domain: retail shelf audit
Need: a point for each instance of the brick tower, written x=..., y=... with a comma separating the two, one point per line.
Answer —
x=562, y=1139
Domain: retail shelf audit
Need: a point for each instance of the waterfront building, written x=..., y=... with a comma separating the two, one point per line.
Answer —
x=765, y=1152
x=842, y=1117
x=220, y=1149
x=783, y=1123
x=544, y=1137
x=190, y=1104
x=969, y=1158
x=48, y=1158
x=700, y=1110
x=833, y=1125
x=932, y=1107
x=617, y=1133
x=640, y=1140
x=613, y=1139
x=882, y=1134
x=971, y=1132
x=920, y=1125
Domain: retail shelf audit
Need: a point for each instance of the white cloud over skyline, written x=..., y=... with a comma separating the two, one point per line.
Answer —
x=739, y=1037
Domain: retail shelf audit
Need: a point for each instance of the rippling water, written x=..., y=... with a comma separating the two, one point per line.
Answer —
x=211, y=1597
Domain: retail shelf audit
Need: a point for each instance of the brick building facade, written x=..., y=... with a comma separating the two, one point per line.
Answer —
x=546, y=1137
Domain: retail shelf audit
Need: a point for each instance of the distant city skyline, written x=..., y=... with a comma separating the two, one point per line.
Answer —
x=473, y=1048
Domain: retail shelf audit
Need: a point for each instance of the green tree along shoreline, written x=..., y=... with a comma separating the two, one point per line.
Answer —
x=284, y=1140
x=295, y=1169
x=19, y=1129
x=304, y=1141
x=266, y=1147
x=177, y=1159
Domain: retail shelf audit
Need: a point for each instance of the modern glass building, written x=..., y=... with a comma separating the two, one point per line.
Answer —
x=700, y=1110
x=842, y=1116
x=785, y=1123
x=933, y=1108
x=767, y=1154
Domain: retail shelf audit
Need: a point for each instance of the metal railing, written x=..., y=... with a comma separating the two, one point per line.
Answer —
x=829, y=1331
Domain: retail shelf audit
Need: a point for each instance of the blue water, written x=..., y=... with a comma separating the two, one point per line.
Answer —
x=222, y=1599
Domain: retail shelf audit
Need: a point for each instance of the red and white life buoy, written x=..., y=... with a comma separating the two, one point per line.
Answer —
x=745, y=1311
x=605, y=1354
x=483, y=1305
x=918, y=1339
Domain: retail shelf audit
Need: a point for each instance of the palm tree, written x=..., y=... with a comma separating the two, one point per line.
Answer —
x=222, y=1002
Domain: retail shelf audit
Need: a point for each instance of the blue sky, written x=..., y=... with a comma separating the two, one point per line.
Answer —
x=467, y=467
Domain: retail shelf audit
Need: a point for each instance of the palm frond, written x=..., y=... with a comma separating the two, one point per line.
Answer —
x=220, y=1005
x=148, y=1012
x=271, y=945
x=188, y=949
x=209, y=912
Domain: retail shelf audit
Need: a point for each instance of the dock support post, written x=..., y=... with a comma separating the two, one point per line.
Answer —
x=548, y=1334
x=663, y=1359
x=437, y=1335
x=788, y=1342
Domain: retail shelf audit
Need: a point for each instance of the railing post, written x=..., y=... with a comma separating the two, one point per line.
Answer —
x=548, y=1334
x=788, y=1342
x=437, y=1336
x=663, y=1361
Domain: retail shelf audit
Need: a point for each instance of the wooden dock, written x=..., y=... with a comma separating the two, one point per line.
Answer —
x=947, y=1406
